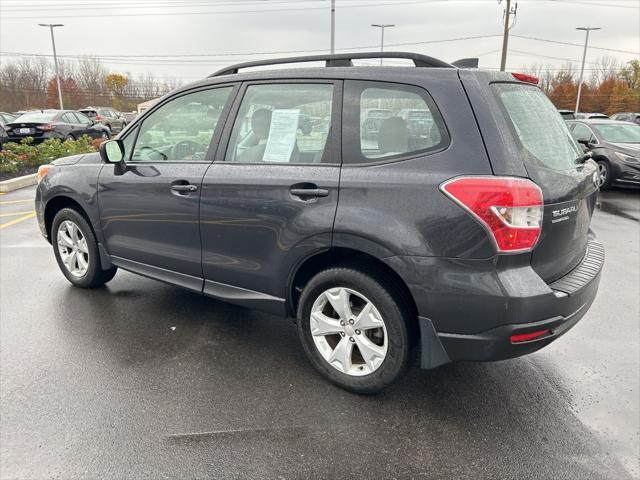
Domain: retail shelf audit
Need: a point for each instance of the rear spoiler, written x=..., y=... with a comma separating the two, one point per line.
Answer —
x=466, y=63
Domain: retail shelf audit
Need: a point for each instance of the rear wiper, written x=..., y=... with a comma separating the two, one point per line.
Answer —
x=583, y=158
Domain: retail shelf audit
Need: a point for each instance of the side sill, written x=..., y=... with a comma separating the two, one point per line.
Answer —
x=167, y=276
x=245, y=298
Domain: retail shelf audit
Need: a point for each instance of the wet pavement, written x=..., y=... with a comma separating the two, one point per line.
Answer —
x=143, y=380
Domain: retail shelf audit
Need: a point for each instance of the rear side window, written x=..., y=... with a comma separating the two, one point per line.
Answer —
x=538, y=126
x=282, y=123
x=388, y=121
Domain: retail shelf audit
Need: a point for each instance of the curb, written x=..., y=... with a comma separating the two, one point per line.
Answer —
x=19, y=182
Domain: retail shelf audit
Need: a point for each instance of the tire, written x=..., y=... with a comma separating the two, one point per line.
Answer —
x=604, y=174
x=392, y=338
x=105, y=135
x=92, y=275
x=69, y=137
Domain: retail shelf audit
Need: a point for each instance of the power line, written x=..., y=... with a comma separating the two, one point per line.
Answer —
x=573, y=44
x=246, y=54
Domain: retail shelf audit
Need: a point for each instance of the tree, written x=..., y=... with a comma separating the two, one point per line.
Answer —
x=116, y=84
x=72, y=96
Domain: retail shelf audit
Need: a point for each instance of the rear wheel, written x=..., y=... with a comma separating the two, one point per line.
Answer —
x=105, y=135
x=70, y=137
x=604, y=174
x=353, y=330
x=76, y=250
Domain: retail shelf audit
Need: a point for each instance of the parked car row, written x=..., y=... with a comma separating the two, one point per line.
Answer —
x=633, y=117
x=44, y=124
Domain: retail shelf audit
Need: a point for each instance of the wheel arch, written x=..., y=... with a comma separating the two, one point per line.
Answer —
x=343, y=256
x=55, y=204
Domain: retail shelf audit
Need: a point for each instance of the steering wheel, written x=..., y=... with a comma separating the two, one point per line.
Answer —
x=153, y=150
x=185, y=149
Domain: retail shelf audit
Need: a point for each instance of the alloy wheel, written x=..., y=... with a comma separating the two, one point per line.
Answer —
x=72, y=246
x=348, y=331
x=602, y=174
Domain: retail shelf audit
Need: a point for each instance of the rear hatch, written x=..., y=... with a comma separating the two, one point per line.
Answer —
x=525, y=136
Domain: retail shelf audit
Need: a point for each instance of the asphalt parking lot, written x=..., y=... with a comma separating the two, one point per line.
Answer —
x=143, y=380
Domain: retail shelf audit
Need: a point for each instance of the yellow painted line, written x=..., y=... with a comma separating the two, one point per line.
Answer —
x=16, y=201
x=3, y=193
x=14, y=214
x=17, y=220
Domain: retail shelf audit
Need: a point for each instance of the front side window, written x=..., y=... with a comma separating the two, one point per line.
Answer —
x=282, y=123
x=582, y=132
x=393, y=121
x=182, y=129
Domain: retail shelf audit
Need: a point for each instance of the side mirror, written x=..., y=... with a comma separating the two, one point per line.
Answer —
x=112, y=151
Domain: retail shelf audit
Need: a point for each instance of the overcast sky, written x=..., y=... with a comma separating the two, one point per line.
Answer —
x=172, y=33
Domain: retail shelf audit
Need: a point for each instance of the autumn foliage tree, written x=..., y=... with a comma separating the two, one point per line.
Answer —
x=610, y=89
x=117, y=85
x=72, y=96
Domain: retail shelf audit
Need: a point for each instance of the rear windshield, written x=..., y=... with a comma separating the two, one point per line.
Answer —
x=35, y=117
x=616, y=133
x=538, y=126
x=89, y=113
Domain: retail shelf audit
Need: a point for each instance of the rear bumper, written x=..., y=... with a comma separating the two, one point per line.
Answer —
x=522, y=304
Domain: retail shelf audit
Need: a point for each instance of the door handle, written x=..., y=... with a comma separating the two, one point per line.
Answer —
x=312, y=192
x=184, y=188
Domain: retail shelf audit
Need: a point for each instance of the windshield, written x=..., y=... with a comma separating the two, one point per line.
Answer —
x=36, y=117
x=619, y=133
x=538, y=126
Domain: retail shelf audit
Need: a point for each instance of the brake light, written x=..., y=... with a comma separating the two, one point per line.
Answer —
x=97, y=118
x=523, y=77
x=45, y=128
x=42, y=171
x=509, y=208
x=527, y=337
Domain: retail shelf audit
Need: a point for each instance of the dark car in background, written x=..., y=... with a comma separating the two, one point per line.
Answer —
x=63, y=124
x=615, y=146
x=4, y=119
x=627, y=117
x=567, y=114
x=474, y=243
x=106, y=116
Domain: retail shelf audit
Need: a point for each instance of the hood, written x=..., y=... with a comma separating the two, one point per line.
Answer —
x=70, y=160
x=628, y=148
x=83, y=158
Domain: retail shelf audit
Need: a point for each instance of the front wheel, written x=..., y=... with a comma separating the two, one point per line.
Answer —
x=76, y=250
x=353, y=329
x=604, y=175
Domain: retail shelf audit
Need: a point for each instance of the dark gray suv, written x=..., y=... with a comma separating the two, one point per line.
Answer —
x=466, y=235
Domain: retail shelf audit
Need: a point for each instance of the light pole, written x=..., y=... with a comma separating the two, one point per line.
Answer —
x=333, y=27
x=55, y=57
x=584, y=56
x=382, y=27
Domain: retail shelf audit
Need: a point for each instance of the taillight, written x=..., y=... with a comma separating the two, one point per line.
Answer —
x=524, y=77
x=509, y=208
x=97, y=118
x=45, y=128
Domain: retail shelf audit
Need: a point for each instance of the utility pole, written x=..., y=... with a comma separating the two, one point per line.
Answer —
x=382, y=27
x=55, y=57
x=333, y=27
x=507, y=26
x=584, y=57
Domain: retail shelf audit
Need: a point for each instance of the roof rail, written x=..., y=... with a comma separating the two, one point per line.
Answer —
x=339, y=60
